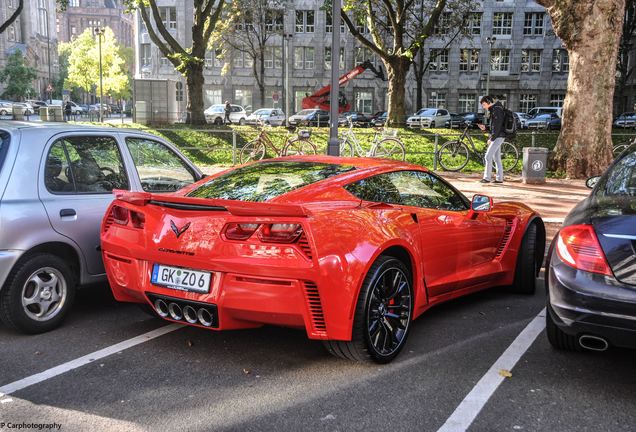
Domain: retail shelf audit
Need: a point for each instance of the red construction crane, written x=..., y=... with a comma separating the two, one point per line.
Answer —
x=320, y=98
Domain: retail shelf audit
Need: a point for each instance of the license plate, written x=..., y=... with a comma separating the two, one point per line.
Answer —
x=181, y=279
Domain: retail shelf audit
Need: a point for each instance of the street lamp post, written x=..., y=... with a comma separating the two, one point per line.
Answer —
x=333, y=148
x=491, y=40
x=99, y=32
x=286, y=38
x=49, y=88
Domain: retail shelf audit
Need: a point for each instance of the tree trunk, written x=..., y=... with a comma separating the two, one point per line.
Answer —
x=194, y=85
x=261, y=84
x=396, y=69
x=419, y=81
x=589, y=32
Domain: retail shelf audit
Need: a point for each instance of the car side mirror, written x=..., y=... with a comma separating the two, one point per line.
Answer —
x=592, y=181
x=480, y=204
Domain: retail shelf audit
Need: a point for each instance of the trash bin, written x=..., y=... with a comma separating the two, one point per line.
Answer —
x=534, y=165
x=44, y=113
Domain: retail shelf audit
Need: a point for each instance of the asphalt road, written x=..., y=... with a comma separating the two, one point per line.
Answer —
x=276, y=379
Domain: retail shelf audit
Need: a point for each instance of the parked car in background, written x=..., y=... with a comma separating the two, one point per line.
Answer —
x=357, y=118
x=311, y=117
x=522, y=119
x=37, y=104
x=380, y=120
x=58, y=181
x=428, y=117
x=6, y=108
x=473, y=119
x=216, y=114
x=591, y=266
x=267, y=243
x=114, y=108
x=625, y=120
x=94, y=109
x=269, y=116
x=455, y=121
x=544, y=121
x=545, y=110
x=27, y=108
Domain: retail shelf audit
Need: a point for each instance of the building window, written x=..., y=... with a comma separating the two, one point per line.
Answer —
x=530, y=60
x=179, y=91
x=469, y=60
x=363, y=54
x=213, y=97
x=42, y=18
x=243, y=97
x=329, y=23
x=341, y=63
x=467, y=102
x=73, y=31
x=303, y=58
x=527, y=102
x=71, y=3
x=502, y=23
x=144, y=53
x=439, y=60
x=443, y=24
x=560, y=61
x=169, y=17
x=364, y=102
x=242, y=59
x=273, y=57
x=274, y=20
x=533, y=23
x=556, y=100
x=474, y=23
x=437, y=100
x=304, y=21
x=94, y=23
x=163, y=61
x=499, y=60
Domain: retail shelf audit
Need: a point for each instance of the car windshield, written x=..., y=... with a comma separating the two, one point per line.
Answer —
x=264, y=181
x=426, y=112
x=543, y=117
x=304, y=112
x=261, y=112
x=4, y=146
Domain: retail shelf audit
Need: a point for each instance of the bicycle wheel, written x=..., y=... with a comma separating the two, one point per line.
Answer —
x=299, y=147
x=620, y=148
x=453, y=155
x=509, y=156
x=252, y=151
x=346, y=148
x=389, y=148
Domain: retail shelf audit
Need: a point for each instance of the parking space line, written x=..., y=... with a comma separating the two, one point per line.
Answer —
x=469, y=408
x=84, y=360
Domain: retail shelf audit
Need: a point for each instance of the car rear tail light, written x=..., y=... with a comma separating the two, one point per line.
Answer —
x=240, y=231
x=280, y=233
x=578, y=246
x=138, y=219
x=120, y=215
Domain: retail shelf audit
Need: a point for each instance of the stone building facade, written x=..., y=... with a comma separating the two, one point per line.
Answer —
x=528, y=65
x=34, y=34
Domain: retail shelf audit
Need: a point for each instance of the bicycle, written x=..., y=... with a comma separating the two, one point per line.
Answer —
x=619, y=148
x=454, y=155
x=257, y=148
x=382, y=146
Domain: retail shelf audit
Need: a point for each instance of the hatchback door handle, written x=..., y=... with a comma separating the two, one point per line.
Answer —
x=67, y=212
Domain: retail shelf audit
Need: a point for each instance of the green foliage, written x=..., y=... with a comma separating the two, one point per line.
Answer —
x=83, y=64
x=18, y=77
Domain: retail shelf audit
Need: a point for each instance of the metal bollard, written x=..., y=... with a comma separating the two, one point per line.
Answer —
x=233, y=147
x=435, y=153
x=533, y=136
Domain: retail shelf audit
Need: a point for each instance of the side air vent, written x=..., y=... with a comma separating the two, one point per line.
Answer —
x=303, y=243
x=108, y=222
x=506, y=238
x=315, y=307
x=182, y=206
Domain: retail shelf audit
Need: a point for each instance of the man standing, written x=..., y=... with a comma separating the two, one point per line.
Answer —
x=228, y=110
x=495, y=139
x=68, y=110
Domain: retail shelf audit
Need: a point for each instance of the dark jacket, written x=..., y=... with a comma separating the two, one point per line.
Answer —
x=497, y=121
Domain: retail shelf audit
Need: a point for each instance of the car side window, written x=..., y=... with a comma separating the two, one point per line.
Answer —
x=160, y=169
x=85, y=164
x=620, y=179
x=412, y=188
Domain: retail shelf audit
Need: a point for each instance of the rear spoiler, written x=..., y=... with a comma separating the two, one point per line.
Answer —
x=237, y=208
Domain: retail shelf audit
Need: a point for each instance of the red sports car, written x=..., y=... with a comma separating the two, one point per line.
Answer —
x=349, y=249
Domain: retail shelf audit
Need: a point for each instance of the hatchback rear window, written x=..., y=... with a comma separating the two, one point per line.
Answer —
x=264, y=181
x=4, y=146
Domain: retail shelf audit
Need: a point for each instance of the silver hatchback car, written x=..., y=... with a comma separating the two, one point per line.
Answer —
x=56, y=182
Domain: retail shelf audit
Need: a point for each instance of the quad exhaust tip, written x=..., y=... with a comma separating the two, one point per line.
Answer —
x=593, y=343
x=175, y=311
x=162, y=308
x=190, y=315
x=205, y=317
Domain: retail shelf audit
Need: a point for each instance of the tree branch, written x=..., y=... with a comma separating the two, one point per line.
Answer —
x=364, y=41
x=166, y=50
x=13, y=17
x=430, y=25
x=213, y=20
x=162, y=28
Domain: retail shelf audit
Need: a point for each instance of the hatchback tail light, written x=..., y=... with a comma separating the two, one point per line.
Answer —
x=120, y=215
x=578, y=246
x=280, y=233
x=240, y=231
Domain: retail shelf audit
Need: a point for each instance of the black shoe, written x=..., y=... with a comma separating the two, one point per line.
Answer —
x=498, y=181
x=484, y=181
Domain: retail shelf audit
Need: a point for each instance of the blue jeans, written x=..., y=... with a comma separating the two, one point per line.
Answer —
x=493, y=153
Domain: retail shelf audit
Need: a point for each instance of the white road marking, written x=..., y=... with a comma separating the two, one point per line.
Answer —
x=469, y=408
x=84, y=360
